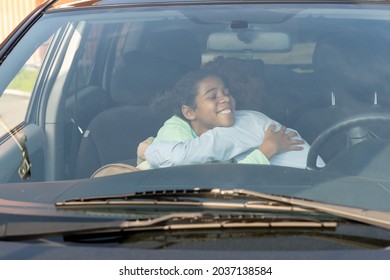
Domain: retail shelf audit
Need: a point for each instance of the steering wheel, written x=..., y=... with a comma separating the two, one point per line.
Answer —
x=341, y=125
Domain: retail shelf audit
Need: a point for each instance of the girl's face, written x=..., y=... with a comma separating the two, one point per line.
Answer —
x=214, y=106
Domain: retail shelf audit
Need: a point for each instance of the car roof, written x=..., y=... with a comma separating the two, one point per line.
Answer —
x=66, y=4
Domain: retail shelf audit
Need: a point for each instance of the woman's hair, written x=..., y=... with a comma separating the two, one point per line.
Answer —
x=184, y=92
x=238, y=75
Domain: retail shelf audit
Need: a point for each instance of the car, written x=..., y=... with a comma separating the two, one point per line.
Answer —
x=84, y=84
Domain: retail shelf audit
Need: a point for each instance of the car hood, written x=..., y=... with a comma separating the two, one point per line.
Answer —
x=325, y=187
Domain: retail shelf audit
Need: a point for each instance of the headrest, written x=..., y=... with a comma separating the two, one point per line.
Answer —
x=351, y=58
x=166, y=56
x=175, y=45
x=138, y=77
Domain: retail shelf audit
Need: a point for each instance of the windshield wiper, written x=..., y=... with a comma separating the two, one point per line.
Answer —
x=174, y=221
x=267, y=202
x=180, y=198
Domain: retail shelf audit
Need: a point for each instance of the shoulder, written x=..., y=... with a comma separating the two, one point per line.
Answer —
x=175, y=120
x=175, y=129
x=247, y=118
x=251, y=115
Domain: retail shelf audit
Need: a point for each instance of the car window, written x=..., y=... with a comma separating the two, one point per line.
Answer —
x=17, y=95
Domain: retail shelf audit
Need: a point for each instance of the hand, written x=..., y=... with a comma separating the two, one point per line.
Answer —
x=142, y=148
x=276, y=142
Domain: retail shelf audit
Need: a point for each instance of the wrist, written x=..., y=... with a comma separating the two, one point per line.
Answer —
x=268, y=149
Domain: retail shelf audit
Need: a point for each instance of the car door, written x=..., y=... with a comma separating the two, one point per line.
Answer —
x=32, y=81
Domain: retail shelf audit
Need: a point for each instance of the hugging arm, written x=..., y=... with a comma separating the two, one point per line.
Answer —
x=212, y=146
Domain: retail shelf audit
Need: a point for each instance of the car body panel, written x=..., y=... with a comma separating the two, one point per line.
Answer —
x=84, y=44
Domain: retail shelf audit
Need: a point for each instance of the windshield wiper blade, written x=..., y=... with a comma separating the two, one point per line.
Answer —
x=175, y=221
x=159, y=194
x=371, y=217
x=180, y=198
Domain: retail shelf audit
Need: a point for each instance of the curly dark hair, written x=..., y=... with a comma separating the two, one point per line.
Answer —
x=244, y=78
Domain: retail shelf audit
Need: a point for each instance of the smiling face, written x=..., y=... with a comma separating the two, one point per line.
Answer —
x=214, y=106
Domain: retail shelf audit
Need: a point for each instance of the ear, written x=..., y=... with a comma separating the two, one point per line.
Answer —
x=187, y=112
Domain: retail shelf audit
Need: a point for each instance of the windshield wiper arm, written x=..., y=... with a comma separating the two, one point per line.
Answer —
x=371, y=217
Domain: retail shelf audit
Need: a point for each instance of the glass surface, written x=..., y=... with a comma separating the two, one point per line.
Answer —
x=95, y=82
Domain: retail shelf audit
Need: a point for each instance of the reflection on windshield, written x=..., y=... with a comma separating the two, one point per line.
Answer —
x=16, y=97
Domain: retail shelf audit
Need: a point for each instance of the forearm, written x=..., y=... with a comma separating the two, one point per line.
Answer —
x=255, y=157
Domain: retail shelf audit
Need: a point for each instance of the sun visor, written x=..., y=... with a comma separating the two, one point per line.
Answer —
x=249, y=40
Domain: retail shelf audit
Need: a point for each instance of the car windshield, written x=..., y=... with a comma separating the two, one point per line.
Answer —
x=284, y=99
